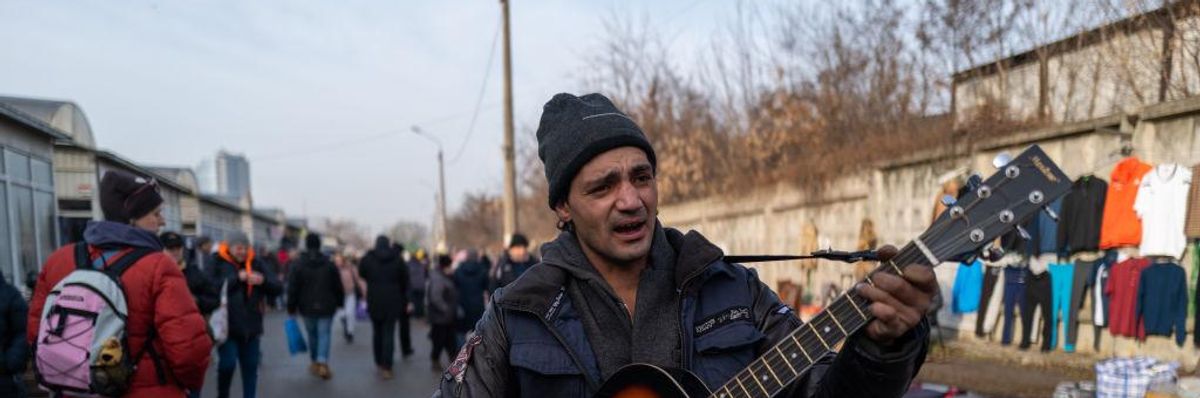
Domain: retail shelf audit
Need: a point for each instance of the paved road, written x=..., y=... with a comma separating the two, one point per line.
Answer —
x=354, y=375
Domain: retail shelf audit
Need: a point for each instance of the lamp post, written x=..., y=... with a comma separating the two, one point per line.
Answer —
x=441, y=185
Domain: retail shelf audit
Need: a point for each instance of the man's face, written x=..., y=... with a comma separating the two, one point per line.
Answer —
x=206, y=248
x=152, y=221
x=613, y=201
x=518, y=253
x=239, y=252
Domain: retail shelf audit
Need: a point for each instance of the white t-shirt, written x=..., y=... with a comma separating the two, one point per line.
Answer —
x=1162, y=205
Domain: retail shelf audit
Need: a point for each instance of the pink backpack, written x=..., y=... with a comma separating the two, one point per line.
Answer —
x=81, y=346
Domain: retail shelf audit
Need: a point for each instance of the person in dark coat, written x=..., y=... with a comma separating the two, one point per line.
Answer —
x=387, y=298
x=406, y=311
x=249, y=285
x=471, y=280
x=418, y=274
x=512, y=263
x=315, y=292
x=14, y=350
x=208, y=297
x=443, y=313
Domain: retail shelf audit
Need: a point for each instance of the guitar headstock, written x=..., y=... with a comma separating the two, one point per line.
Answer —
x=1017, y=191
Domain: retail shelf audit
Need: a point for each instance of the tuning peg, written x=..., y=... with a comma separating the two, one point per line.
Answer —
x=974, y=181
x=948, y=200
x=1050, y=213
x=1024, y=234
x=1001, y=159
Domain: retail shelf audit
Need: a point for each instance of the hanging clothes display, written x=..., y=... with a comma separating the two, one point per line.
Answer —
x=1037, y=295
x=1081, y=216
x=1014, y=299
x=1043, y=230
x=1191, y=226
x=968, y=282
x=1122, y=289
x=1121, y=226
x=1162, y=301
x=1082, y=273
x=1162, y=206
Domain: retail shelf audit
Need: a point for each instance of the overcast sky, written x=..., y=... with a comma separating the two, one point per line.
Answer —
x=319, y=95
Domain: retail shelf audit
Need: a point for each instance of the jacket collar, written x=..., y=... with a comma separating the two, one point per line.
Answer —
x=108, y=233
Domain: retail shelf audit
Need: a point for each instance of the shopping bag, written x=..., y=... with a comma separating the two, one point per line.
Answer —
x=295, y=338
x=361, y=311
x=218, y=321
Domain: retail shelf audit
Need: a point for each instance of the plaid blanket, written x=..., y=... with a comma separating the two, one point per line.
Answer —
x=1131, y=377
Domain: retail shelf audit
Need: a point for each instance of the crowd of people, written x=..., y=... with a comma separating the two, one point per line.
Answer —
x=173, y=303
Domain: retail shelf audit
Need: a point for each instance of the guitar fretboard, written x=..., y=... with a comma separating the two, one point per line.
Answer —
x=791, y=358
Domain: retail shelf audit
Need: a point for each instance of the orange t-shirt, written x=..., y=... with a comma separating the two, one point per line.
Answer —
x=1121, y=226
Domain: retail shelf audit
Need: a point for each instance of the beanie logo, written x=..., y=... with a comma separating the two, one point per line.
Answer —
x=606, y=114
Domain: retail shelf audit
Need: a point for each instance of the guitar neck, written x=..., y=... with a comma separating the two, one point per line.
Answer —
x=791, y=358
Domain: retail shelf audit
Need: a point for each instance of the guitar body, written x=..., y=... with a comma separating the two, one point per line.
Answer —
x=649, y=381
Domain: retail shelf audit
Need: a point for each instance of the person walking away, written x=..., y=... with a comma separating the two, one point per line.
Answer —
x=418, y=274
x=165, y=337
x=206, y=296
x=315, y=292
x=14, y=350
x=513, y=262
x=443, y=309
x=471, y=281
x=387, y=282
x=406, y=309
x=203, y=253
x=249, y=285
x=354, y=287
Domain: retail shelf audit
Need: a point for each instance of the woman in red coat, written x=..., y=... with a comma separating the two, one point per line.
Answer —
x=156, y=291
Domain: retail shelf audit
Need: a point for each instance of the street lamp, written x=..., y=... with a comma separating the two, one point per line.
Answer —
x=441, y=185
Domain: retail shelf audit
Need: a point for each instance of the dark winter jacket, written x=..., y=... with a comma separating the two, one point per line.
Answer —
x=508, y=271
x=418, y=274
x=1082, y=214
x=533, y=342
x=471, y=280
x=208, y=297
x=159, y=305
x=246, y=303
x=442, y=299
x=387, y=281
x=315, y=288
x=14, y=350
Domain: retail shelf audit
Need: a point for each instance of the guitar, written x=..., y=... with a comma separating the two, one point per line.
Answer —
x=1016, y=192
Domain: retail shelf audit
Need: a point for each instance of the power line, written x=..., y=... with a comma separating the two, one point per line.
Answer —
x=487, y=73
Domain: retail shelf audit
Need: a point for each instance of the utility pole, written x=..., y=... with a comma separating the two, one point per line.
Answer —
x=510, y=167
x=442, y=241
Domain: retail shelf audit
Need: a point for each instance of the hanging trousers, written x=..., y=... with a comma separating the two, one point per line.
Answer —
x=1014, y=300
x=1037, y=294
x=1061, y=276
x=1080, y=285
x=987, y=308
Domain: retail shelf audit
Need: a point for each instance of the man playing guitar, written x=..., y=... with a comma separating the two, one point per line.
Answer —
x=617, y=288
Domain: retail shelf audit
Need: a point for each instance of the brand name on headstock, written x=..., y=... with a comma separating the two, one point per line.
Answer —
x=1041, y=166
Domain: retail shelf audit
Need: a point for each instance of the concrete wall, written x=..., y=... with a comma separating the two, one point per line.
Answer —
x=899, y=198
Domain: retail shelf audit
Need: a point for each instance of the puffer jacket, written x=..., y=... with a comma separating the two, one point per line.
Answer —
x=14, y=350
x=245, y=303
x=159, y=303
x=442, y=299
x=532, y=342
x=387, y=281
x=315, y=287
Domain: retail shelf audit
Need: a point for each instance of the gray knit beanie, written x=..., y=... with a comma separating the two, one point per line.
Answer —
x=573, y=130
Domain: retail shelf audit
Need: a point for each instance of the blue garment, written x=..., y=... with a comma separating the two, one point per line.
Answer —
x=471, y=281
x=1014, y=299
x=1061, y=276
x=320, y=330
x=1162, y=300
x=1043, y=231
x=968, y=283
x=108, y=233
x=233, y=352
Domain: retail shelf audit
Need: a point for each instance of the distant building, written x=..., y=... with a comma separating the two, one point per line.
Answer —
x=233, y=175
x=28, y=212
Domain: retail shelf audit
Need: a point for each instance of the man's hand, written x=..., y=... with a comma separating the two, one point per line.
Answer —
x=255, y=278
x=898, y=303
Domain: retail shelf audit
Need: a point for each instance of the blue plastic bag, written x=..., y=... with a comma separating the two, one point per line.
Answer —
x=295, y=337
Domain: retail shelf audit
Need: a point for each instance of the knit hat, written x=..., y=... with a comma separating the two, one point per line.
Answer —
x=518, y=240
x=573, y=130
x=170, y=240
x=125, y=197
x=312, y=241
x=237, y=238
